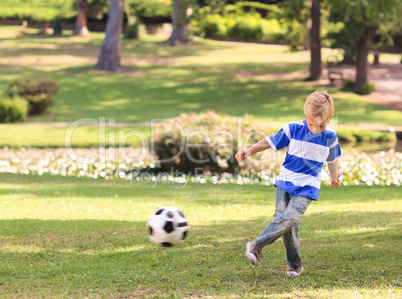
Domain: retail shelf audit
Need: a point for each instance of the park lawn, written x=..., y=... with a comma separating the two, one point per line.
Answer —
x=45, y=136
x=159, y=82
x=64, y=237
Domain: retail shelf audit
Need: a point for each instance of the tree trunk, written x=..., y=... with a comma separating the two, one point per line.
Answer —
x=81, y=20
x=315, y=64
x=57, y=28
x=363, y=47
x=109, y=56
x=376, y=58
x=180, y=22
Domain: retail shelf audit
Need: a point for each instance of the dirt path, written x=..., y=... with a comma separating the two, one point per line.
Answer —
x=388, y=79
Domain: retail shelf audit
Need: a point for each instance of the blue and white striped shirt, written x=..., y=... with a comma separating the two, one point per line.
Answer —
x=306, y=154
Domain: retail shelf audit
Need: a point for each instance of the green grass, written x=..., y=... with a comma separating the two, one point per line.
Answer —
x=69, y=237
x=17, y=136
x=161, y=82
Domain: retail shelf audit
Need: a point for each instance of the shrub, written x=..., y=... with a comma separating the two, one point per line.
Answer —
x=367, y=88
x=236, y=24
x=348, y=85
x=39, y=93
x=247, y=27
x=214, y=26
x=13, y=110
x=208, y=142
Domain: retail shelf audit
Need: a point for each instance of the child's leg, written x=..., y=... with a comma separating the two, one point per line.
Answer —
x=291, y=242
x=285, y=220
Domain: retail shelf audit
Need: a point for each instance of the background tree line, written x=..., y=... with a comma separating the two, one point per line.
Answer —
x=356, y=26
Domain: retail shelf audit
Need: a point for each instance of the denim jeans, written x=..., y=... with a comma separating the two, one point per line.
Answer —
x=288, y=211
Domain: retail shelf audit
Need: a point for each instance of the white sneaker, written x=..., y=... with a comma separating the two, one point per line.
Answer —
x=294, y=272
x=253, y=252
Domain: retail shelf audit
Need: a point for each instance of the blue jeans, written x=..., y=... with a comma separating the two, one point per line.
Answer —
x=288, y=211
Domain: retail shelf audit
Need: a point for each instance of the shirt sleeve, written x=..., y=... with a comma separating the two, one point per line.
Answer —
x=334, y=152
x=280, y=139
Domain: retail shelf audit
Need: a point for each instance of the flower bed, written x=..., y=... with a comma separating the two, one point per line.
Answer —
x=380, y=168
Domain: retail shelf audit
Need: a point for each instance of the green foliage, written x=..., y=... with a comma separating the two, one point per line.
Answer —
x=389, y=29
x=295, y=35
x=232, y=22
x=348, y=85
x=359, y=14
x=151, y=8
x=206, y=141
x=367, y=88
x=253, y=27
x=213, y=26
x=39, y=93
x=37, y=10
x=295, y=16
x=13, y=110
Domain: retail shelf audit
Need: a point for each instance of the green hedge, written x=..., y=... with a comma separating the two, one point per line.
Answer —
x=13, y=110
x=37, y=10
x=244, y=26
x=39, y=93
x=49, y=10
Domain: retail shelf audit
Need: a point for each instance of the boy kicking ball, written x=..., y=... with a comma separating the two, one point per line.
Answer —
x=309, y=144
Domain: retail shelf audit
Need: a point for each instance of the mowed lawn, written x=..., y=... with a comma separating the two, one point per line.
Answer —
x=158, y=81
x=65, y=237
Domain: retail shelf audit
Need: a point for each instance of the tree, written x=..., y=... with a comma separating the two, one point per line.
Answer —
x=363, y=47
x=367, y=15
x=81, y=20
x=315, y=39
x=180, y=22
x=298, y=15
x=109, y=56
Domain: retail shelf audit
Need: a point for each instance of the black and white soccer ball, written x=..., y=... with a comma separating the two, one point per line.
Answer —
x=167, y=227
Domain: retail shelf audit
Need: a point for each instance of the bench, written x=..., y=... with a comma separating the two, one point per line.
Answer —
x=332, y=76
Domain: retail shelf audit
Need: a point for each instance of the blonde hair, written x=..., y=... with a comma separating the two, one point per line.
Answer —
x=319, y=104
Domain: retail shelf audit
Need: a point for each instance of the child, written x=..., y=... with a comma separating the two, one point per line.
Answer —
x=309, y=144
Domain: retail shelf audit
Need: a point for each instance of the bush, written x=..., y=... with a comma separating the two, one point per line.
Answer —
x=192, y=143
x=39, y=93
x=368, y=88
x=348, y=85
x=214, y=26
x=247, y=27
x=237, y=25
x=13, y=110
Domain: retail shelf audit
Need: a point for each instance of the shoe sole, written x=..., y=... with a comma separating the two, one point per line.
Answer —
x=294, y=273
x=250, y=256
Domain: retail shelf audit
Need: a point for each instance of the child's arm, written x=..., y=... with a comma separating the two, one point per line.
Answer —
x=260, y=146
x=333, y=172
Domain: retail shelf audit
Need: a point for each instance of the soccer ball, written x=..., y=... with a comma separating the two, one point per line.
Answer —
x=167, y=227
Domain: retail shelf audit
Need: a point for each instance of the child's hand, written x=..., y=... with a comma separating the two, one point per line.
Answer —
x=335, y=183
x=242, y=154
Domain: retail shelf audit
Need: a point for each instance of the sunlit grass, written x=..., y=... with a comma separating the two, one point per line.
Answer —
x=80, y=136
x=158, y=81
x=69, y=237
